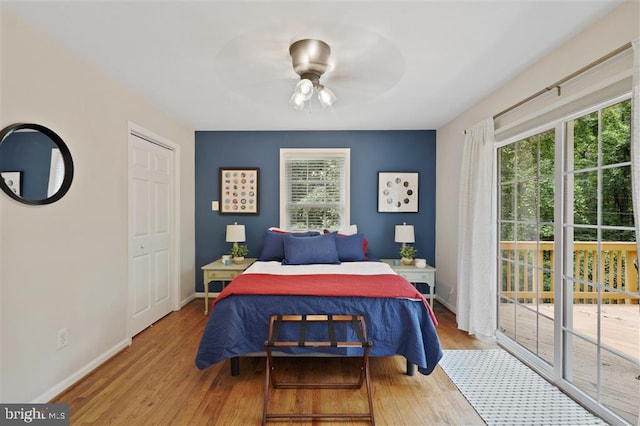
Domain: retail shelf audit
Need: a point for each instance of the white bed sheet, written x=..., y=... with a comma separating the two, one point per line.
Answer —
x=350, y=268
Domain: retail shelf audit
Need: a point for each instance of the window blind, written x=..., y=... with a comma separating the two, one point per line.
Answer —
x=315, y=189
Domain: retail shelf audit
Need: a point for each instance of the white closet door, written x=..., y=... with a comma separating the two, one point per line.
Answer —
x=151, y=169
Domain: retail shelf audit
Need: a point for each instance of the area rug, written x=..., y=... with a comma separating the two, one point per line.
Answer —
x=504, y=391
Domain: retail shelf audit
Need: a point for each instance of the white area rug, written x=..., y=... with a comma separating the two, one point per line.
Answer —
x=504, y=391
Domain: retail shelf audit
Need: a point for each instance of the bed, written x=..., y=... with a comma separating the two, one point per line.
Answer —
x=398, y=318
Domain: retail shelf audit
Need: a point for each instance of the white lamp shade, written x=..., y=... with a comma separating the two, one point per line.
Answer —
x=404, y=234
x=235, y=233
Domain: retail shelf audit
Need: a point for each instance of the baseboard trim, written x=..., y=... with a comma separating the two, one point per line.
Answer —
x=69, y=381
x=212, y=294
x=446, y=304
x=186, y=301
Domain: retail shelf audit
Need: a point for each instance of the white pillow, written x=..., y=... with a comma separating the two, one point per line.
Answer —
x=349, y=230
x=286, y=231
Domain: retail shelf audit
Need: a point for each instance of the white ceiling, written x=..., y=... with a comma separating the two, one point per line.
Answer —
x=225, y=65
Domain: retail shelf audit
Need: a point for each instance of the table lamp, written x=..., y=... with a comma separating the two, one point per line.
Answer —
x=404, y=234
x=235, y=234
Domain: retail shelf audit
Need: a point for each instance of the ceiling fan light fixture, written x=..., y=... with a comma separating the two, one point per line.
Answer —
x=305, y=88
x=325, y=96
x=297, y=101
x=310, y=60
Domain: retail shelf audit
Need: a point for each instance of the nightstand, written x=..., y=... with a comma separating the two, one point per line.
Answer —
x=416, y=275
x=218, y=271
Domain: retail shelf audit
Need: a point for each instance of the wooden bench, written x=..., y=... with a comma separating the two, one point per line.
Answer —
x=358, y=326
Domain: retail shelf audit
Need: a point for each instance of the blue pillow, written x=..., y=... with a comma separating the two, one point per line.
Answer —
x=273, y=244
x=351, y=248
x=310, y=250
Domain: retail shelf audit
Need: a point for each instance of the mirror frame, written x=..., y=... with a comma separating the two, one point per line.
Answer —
x=66, y=157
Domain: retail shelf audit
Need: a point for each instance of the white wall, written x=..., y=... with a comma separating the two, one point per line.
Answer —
x=64, y=265
x=613, y=31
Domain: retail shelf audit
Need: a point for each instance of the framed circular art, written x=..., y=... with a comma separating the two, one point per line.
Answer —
x=398, y=192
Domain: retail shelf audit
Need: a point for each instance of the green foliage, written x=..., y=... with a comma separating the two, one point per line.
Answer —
x=612, y=126
x=408, y=252
x=598, y=164
x=239, y=250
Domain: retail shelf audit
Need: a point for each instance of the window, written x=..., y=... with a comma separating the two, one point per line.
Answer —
x=314, y=188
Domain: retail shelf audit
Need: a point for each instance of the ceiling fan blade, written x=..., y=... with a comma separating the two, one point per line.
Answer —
x=257, y=65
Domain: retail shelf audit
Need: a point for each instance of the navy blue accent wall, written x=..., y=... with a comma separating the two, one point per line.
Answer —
x=371, y=152
x=29, y=153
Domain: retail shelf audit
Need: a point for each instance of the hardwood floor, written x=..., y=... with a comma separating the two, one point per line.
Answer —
x=155, y=382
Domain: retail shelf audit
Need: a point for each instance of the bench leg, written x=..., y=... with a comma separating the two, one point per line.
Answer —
x=266, y=390
x=367, y=379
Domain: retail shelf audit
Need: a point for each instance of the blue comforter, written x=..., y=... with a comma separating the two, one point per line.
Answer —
x=239, y=325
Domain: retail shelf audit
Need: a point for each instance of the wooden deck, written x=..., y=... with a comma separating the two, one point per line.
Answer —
x=620, y=331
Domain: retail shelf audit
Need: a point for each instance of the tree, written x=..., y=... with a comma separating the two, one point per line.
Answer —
x=527, y=178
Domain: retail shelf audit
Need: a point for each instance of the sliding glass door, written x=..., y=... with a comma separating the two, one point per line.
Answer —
x=527, y=238
x=568, y=281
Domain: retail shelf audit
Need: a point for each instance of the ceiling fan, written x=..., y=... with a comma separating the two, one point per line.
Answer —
x=257, y=66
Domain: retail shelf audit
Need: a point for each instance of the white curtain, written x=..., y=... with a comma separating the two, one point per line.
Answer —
x=635, y=139
x=476, y=294
x=56, y=172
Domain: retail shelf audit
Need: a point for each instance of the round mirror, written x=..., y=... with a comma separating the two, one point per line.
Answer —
x=35, y=164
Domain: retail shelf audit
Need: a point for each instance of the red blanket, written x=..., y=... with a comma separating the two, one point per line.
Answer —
x=383, y=285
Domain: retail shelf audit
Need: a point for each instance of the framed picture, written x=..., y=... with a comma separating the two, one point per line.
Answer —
x=239, y=190
x=13, y=181
x=398, y=192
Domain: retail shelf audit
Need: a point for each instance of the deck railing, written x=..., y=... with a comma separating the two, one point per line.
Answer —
x=528, y=272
